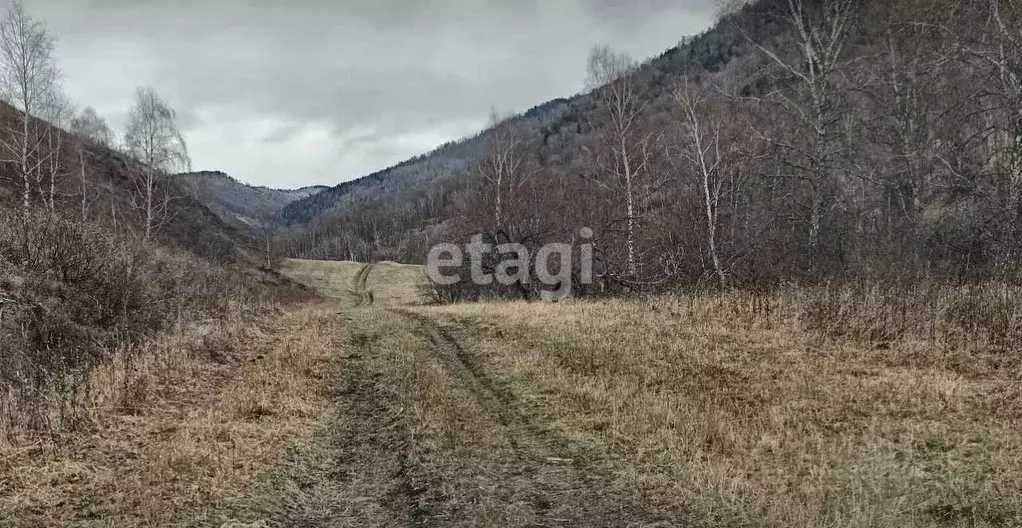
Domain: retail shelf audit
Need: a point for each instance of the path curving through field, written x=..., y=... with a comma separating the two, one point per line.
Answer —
x=559, y=489
x=360, y=286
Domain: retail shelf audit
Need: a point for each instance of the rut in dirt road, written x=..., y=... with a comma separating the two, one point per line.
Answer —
x=490, y=397
x=354, y=474
x=376, y=445
x=562, y=491
x=361, y=289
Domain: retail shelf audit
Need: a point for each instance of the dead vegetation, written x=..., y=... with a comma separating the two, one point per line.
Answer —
x=74, y=296
x=854, y=404
x=185, y=434
x=830, y=409
x=866, y=405
x=389, y=283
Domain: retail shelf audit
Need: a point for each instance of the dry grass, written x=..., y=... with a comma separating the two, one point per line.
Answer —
x=826, y=406
x=466, y=458
x=226, y=422
x=330, y=278
x=451, y=450
x=394, y=284
x=389, y=283
x=74, y=296
x=180, y=432
x=756, y=420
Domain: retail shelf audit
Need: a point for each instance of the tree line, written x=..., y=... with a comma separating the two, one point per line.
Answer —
x=49, y=148
x=796, y=140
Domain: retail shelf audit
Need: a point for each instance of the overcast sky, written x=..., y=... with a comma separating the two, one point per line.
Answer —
x=288, y=94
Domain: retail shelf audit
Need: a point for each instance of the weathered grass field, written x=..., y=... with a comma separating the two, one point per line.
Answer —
x=372, y=409
x=739, y=424
x=695, y=410
x=187, y=431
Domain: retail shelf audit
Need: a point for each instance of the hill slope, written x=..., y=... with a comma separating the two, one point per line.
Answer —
x=109, y=194
x=239, y=204
x=706, y=163
x=445, y=160
x=392, y=214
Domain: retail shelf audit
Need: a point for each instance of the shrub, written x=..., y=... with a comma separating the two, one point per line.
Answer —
x=70, y=291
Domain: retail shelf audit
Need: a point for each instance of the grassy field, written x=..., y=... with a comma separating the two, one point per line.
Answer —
x=760, y=425
x=370, y=408
x=696, y=410
x=389, y=283
x=187, y=431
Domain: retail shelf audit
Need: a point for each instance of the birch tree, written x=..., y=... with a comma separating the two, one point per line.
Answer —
x=713, y=160
x=83, y=182
x=1003, y=52
x=154, y=139
x=622, y=158
x=504, y=170
x=90, y=127
x=819, y=31
x=57, y=113
x=28, y=75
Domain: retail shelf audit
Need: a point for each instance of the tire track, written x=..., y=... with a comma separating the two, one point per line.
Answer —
x=563, y=492
x=360, y=286
x=377, y=443
x=494, y=401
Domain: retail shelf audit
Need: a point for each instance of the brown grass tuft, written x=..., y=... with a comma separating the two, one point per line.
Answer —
x=178, y=434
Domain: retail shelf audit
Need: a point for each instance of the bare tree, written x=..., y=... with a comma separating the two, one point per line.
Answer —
x=713, y=159
x=28, y=75
x=91, y=126
x=57, y=113
x=504, y=170
x=622, y=158
x=820, y=32
x=83, y=182
x=1000, y=49
x=153, y=138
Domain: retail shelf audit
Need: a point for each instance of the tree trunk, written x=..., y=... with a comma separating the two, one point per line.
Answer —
x=711, y=229
x=81, y=162
x=630, y=199
x=149, y=204
x=815, y=223
x=27, y=195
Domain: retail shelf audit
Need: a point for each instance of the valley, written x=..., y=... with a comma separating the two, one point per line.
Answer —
x=788, y=246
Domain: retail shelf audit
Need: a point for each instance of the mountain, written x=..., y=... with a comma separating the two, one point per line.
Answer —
x=107, y=195
x=244, y=206
x=390, y=214
x=794, y=140
x=443, y=161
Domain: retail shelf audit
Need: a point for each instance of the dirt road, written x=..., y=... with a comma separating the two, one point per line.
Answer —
x=428, y=439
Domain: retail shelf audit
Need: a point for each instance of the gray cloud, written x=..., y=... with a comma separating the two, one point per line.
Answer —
x=294, y=93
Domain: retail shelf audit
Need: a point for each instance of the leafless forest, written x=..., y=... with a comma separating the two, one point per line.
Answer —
x=795, y=139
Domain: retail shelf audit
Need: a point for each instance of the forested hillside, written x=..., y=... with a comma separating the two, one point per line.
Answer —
x=394, y=213
x=250, y=209
x=792, y=139
x=88, y=179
